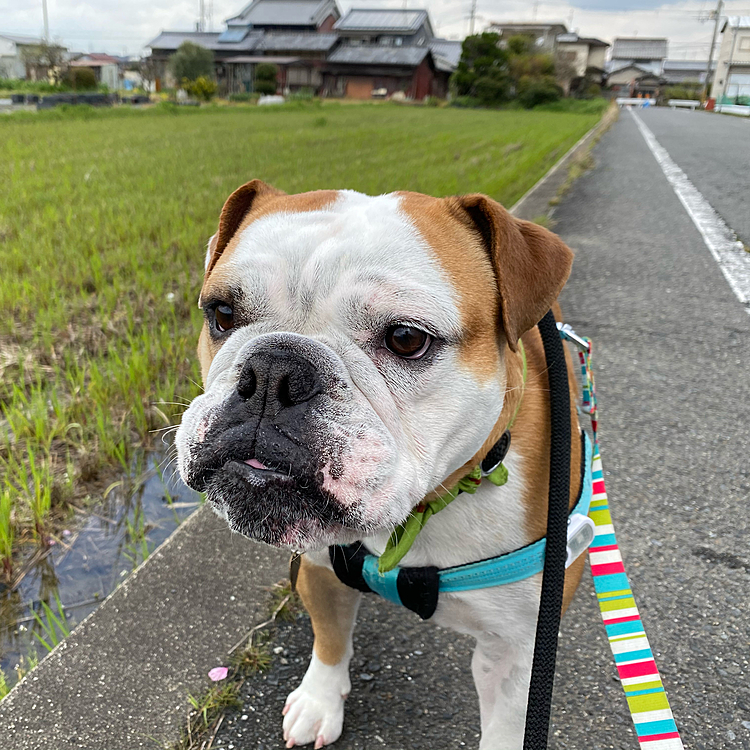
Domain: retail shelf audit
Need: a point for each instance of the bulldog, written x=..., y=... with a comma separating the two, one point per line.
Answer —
x=363, y=353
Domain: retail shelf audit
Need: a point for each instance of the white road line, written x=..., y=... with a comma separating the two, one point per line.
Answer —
x=722, y=242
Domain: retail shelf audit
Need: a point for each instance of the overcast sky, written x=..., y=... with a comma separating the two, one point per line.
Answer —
x=120, y=27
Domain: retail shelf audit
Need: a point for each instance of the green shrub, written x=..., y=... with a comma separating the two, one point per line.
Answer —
x=576, y=106
x=482, y=70
x=265, y=78
x=302, y=95
x=201, y=88
x=466, y=102
x=243, y=96
x=192, y=61
x=492, y=89
x=688, y=91
x=533, y=91
x=81, y=79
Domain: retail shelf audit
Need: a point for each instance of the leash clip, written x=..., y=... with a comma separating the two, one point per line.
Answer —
x=567, y=332
x=581, y=532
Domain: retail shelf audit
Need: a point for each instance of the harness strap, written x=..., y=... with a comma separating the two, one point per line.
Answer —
x=491, y=468
x=418, y=589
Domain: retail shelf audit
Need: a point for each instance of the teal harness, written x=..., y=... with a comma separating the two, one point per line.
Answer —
x=418, y=588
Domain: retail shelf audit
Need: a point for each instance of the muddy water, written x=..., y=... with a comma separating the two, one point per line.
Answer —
x=92, y=558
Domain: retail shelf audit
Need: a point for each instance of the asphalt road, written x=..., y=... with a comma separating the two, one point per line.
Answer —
x=714, y=152
x=672, y=353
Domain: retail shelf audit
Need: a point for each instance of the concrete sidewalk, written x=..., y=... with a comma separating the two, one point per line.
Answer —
x=120, y=681
x=672, y=347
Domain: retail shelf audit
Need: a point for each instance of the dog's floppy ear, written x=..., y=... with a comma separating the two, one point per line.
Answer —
x=531, y=264
x=236, y=208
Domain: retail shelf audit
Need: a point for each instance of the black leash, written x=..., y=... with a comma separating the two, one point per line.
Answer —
x=548, y=623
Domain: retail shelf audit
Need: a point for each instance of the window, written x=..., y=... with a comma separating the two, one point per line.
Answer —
x=745, y=43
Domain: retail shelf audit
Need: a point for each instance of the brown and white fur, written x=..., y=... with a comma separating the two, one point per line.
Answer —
x=314, y=280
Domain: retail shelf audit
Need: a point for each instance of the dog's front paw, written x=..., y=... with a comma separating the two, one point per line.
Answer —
x=314, y=712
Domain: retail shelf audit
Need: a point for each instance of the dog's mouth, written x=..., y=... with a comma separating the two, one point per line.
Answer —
x=263, y=502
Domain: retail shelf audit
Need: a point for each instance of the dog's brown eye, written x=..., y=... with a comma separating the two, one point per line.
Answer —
x=224, y=317
x=407, y=342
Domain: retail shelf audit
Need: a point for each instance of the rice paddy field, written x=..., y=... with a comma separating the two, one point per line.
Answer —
x=104, y=218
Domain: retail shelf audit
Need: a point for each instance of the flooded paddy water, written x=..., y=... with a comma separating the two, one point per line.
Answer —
x=101, y=547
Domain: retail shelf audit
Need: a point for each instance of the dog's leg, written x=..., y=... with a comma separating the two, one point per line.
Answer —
x=502, y=671
x=314, y=712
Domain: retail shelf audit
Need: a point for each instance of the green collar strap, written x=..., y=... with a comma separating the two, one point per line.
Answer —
x=402, y=538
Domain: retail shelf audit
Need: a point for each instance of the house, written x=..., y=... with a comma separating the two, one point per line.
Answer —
x=579, y=61
x=636, y=66
x=285, y=15
x=314, y=47
x=106, y=68
x=681, y=72
x=388, y=51
x=645, y=54
x=291, y=34
x=387, y=27
x=16, y=56
x=544, y=34
x=732, y=80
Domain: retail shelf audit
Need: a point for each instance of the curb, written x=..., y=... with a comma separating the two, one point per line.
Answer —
x=120, y=680
x=537, y=200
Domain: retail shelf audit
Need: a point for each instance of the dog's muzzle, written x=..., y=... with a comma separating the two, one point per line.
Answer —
x=262, y=457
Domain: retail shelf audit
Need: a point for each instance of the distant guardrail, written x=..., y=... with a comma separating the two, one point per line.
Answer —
x=623, y=101
x=94, y=100
x=686, y=103
x=733, y=109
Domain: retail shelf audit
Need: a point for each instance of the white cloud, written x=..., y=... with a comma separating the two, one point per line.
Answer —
x=120, y=27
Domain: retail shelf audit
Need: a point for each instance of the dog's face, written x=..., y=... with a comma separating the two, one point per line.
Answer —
x=353, y=354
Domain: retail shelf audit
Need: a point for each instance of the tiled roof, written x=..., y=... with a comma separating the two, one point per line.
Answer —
x=21, y=39
x=376, y=55
x=639, y=49
x=391, y=21
x=171, y=40
x=573, y=38
x=446, y=53
x=687, y=65
x=310, y=42
x=280, y=13
x=650, y=68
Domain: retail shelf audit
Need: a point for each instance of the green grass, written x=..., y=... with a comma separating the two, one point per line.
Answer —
x=104, y=217
x=53, y=626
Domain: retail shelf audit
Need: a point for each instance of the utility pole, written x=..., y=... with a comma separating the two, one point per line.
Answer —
x=46, y=21
x=473, y=16
x=706, y=86
x=202, y=16
x=534, y=10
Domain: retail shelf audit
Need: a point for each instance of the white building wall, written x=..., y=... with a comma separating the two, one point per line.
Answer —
x=735, y=46
x=11, y=65
x=597, y=57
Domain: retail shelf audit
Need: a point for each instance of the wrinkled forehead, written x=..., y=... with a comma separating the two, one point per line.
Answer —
x=365, y=254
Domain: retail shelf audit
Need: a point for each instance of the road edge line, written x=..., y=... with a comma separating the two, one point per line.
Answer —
x=721, y=241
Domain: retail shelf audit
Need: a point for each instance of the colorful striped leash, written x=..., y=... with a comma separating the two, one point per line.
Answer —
x=639, y=676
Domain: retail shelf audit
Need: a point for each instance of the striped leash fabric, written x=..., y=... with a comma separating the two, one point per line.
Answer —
x=639, y=676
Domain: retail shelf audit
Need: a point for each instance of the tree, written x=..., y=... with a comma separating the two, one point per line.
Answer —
x=191, y=61
x=482, y=71
x=81, y=79
x=147, y=69
x=45, y=60
x=265, y=78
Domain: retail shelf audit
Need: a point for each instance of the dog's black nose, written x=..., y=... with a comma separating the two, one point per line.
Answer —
x=279, y=378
